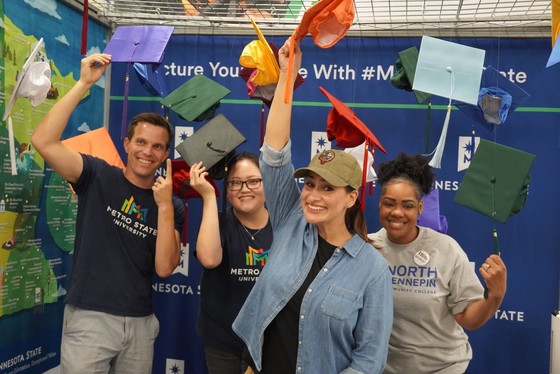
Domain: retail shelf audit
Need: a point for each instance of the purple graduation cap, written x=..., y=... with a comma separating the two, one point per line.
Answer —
x=430, y=216
x=142, y=44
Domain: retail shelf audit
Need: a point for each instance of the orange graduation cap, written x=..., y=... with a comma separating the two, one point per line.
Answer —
x=97, y=143
x=327, y=21
x=349, y=131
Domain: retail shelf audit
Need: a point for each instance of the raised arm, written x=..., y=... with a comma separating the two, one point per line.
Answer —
x=278, y=123
x=46, y=137
x=208, y=243
x=478, y=313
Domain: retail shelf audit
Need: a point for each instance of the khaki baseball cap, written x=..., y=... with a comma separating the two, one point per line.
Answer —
x=336, y=167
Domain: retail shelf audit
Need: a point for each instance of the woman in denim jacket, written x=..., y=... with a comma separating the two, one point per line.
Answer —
x=323, y=303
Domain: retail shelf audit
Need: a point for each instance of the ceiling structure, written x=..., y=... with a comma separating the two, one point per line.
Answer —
x=481, y=18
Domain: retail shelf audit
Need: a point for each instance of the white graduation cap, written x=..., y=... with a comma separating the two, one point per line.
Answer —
x=33, y=82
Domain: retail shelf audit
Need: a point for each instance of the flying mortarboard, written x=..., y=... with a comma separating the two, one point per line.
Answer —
x=430, y=216
x=181, y=180
x=498, y=97
x=197, y=99
x=404, y=76
x=150, y=78
x=33, y=82
x=496, y=182
x=448, y=70
x=143, y=44
x=555, y=24
x=327, y=21
x=211, y=144
x=259, y=55
x=346, y=128
x=97, y=143
x=349, y=131
x=264, y=93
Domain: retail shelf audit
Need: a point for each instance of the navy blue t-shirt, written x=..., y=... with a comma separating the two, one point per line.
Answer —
x=225, y=287
x=114, y=253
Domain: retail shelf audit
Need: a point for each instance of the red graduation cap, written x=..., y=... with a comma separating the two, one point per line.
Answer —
x=181, y=187
x=349, y=131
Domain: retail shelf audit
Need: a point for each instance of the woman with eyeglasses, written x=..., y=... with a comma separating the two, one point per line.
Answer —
x=233, y=248
x=323, y=303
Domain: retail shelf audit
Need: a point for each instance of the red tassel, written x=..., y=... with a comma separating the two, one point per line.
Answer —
x=85, y=17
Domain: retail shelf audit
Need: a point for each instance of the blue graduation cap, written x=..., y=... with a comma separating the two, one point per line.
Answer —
x=448, y=70
x=498, y=97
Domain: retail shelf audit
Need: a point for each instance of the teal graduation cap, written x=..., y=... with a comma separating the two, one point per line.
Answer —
x=448, y=70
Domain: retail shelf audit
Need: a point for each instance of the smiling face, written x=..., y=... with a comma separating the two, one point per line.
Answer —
x=399, y=208
x=146, y=151
x=246, y=200
x=324, y=204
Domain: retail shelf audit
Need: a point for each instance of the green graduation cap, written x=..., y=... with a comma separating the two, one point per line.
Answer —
x=496, y=182
x=197, y=99
x=211, y=145
x=404, y=76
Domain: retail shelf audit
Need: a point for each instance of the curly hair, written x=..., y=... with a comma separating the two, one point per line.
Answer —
x=413, y=168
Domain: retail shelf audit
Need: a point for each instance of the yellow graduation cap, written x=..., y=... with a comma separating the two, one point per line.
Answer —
x=259, y=55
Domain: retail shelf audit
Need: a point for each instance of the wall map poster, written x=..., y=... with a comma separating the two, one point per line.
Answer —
x=37, y=207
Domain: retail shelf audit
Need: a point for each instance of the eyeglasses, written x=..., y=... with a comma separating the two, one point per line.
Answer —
x=237, y=185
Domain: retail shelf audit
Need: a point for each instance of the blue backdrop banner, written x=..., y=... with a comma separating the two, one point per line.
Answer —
x=358, y=72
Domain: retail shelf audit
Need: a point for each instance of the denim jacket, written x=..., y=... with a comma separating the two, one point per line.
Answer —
x=347, y=313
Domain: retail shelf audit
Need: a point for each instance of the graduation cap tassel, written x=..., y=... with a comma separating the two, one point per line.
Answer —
x=125, y=102
x=428, y=127
x=85, y=18
x=263, y=122
x=435, y=162
x=12, y=146
x=364, y=177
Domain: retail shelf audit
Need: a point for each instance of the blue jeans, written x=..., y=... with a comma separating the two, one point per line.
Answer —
x=96, y=342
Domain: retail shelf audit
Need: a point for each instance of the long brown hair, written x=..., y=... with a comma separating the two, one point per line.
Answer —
x=355, y=220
